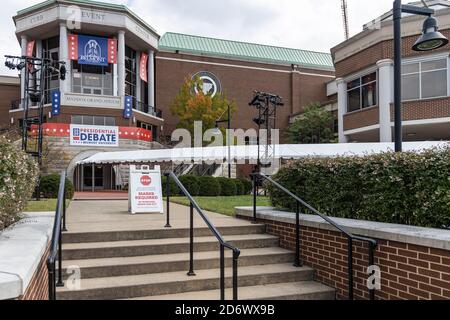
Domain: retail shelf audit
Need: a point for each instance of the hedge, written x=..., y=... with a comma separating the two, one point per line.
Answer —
x=401, y=188
x=209, y=186
x=18, y=178
x=49, y=186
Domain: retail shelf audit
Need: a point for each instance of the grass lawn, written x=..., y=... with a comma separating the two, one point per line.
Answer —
x=45, y=205
x=223, y=205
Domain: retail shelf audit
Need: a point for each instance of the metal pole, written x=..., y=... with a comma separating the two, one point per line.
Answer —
x=222, y=272
x=93, y=177
x=60, y=277
x=235, y=275
x=51, y=282
x=254, y=197
x=191, y=272
x=64, y=210
x=298, y=262
x=350, y=268
x=168, y=201
x=398, y=75
x=229, y=142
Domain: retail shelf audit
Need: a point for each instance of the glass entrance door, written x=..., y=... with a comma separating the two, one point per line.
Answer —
x=93, y=181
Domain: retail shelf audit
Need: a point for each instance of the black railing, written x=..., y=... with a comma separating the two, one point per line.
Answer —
x=223, y=244
x=56, y=241
x=351, y=238
x=142, y=107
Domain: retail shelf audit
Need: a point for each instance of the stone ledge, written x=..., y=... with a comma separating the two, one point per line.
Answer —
x=427, y=237
x=21, y=249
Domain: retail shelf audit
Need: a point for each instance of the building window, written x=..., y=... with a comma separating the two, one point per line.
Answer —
x=153, y=129
x=50, y=50
x=130, y=72
x=94, y=120
x=90, y=79
x=362, y=92
x=423, y=80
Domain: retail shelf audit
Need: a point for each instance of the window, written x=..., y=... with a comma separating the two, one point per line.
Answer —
x=426, y=79
x=94, y=120
x=362, y=92
x=130, y=72
x=149, y=127
x=50, y=50
x=88, y=79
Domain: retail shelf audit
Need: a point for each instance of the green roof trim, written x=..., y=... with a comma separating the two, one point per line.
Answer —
x=244, y=51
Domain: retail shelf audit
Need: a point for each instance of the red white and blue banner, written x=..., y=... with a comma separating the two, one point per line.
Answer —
x=56, y=103
x=94, y=136
x=92, y=50
x=128, y=107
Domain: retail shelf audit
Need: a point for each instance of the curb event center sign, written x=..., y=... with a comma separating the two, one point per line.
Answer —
x=92, y=136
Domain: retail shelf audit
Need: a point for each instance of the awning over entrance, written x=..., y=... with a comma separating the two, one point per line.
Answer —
x=250, y=153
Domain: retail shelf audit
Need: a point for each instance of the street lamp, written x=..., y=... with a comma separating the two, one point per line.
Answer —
x=431, y=39
x=228, y=121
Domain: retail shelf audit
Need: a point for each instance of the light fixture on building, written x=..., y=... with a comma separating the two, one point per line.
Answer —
x=431, y=38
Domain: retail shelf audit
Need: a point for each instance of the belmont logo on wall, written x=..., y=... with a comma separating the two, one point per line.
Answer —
x=211, y=84
x=92, y=50
x=93, y=136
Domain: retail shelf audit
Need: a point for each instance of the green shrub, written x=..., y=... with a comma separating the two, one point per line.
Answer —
x=248, y=186
x=174, y=189
x=18, y=178
x=403, y=188
x=49, y=187
x=209, y=187
x=227, y=187
x=240, y=189
x=191, y=183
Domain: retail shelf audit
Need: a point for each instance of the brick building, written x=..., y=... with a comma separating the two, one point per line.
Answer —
x=112, y=55
x=364, y=84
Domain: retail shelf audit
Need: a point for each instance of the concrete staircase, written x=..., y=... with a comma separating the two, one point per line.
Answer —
x=152, y=265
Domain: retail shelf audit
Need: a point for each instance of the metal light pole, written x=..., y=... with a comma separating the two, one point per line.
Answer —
x=431, y=39
x=228, y=121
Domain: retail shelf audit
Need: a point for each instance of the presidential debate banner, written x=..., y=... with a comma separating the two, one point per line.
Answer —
x=92, y=50
x=93, y=136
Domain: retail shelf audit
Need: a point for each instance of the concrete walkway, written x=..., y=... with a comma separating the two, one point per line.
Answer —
x=106, y=216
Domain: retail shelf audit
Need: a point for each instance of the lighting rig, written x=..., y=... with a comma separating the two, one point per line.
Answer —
x=267, y=105
x=34, y=71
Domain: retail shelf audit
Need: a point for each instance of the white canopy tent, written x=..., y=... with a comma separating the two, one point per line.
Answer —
x=250, y=153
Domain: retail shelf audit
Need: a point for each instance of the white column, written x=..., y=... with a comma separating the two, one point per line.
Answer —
x=342, y=108
x=385, y=82
x=64, y=56
x=138, y=76
x=121, y=64
x=24, y=44
x=151, y=78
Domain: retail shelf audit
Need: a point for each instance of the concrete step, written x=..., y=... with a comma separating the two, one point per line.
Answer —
x=98, y=250
x=116, y=267
x=304, y=290
x=109, y=236
x=178, y=282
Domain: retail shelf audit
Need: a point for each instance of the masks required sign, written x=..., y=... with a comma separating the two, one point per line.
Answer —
x=145, y=191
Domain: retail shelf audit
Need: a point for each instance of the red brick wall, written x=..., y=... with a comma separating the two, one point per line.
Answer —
x=38, y=287
x=408, y=272
x=362, y=118
x=424, y=109
x=8, y=93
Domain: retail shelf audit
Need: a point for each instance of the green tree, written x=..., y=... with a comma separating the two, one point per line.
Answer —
x=190, y=106
x=315, y=126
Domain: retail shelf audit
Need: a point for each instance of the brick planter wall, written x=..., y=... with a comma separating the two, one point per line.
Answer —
x=38, y=287
x=409, y=272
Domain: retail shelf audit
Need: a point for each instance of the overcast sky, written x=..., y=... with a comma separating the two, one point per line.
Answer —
x=305, y=24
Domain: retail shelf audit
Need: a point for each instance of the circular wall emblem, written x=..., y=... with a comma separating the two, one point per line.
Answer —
x=146, y=181
x=211, y=84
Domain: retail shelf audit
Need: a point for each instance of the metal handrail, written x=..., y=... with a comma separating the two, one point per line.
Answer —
x=372, y=242
x=56, y=241
x=213, y=229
